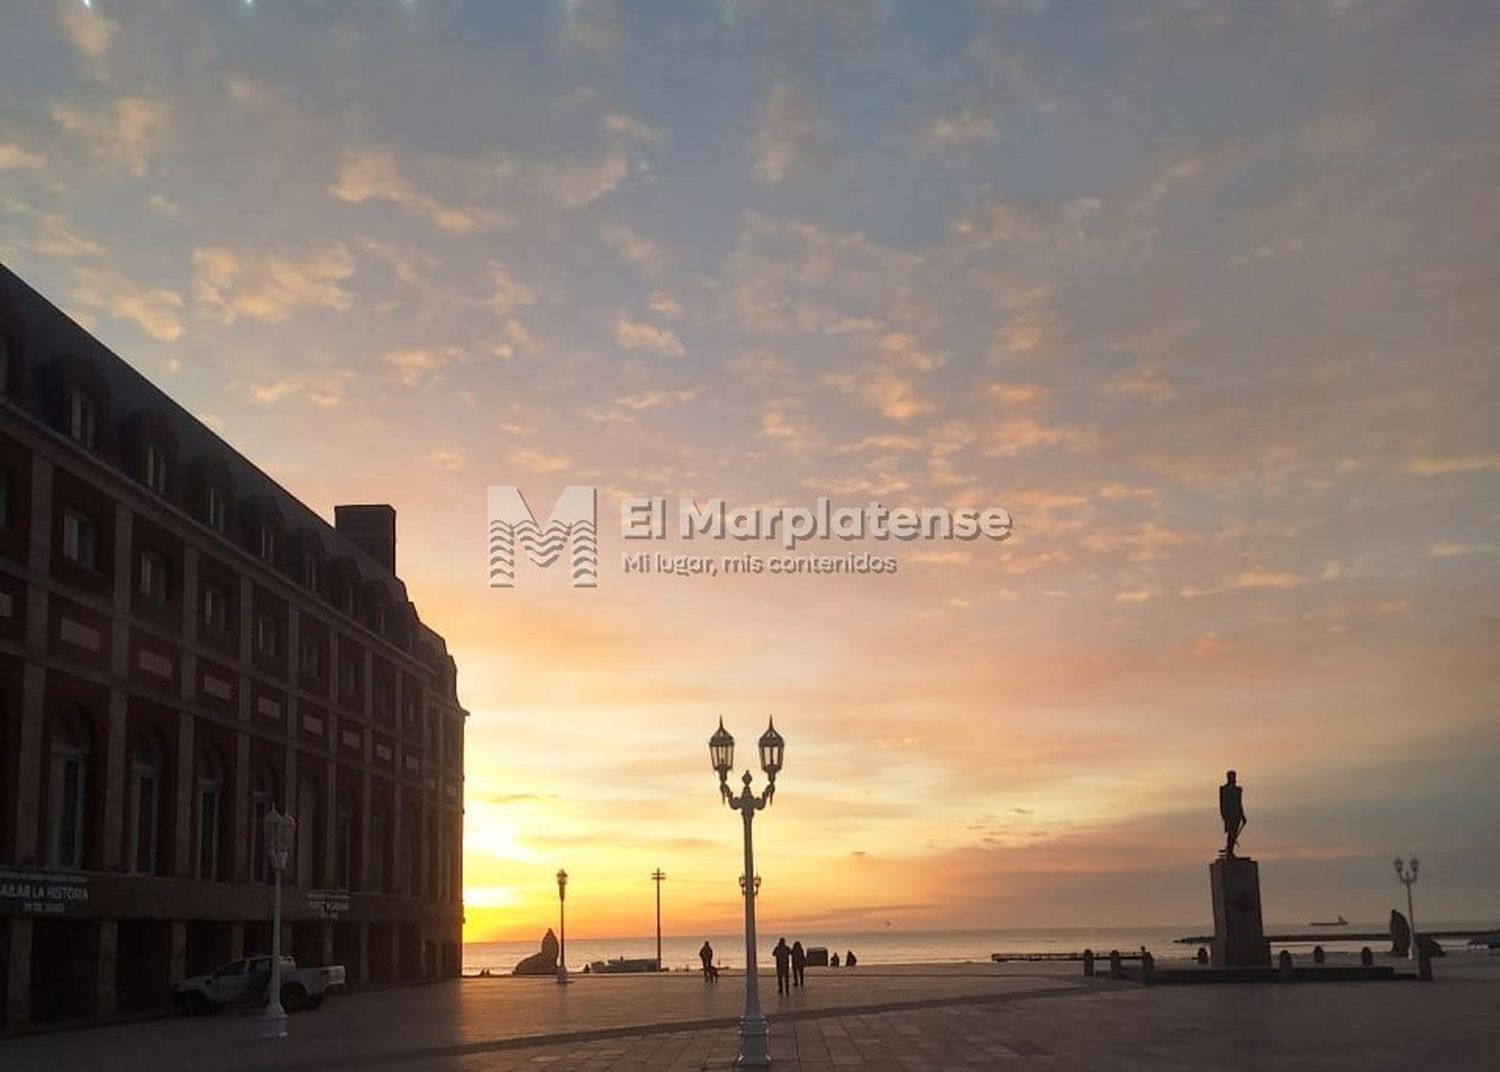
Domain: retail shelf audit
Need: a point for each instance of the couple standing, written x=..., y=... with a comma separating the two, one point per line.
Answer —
x=791, y=965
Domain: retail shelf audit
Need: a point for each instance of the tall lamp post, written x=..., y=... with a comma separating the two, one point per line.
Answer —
x=1408, y=877
x=754, y=1031
x=562, y=926
x=658, y=876
x=280, y=830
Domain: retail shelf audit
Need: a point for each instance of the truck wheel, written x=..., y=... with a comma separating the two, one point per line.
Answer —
x=192, y=1003
x=293, y=997
x=314, y=1001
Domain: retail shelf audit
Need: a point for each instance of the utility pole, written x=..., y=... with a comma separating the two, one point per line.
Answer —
x=658, y=876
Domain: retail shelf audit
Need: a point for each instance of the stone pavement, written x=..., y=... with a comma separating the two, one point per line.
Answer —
x=945, y=1019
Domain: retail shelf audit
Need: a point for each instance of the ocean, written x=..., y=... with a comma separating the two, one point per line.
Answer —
x=919, y=947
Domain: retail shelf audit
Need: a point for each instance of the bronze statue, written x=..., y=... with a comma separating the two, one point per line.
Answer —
x=1232, y=811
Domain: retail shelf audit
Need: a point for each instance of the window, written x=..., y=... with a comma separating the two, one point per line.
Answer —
x=312, y=656
x=4, y=365
x=215, y=608
x=306, y=835
x=210, y=796
x=261, y=797
x=379, y=846
x=265, y=634
x=347, y=677
x=80, y=539
x=81, y=419
x=156, y=469
x=346, y=598
x=382, y=697
x=380, y=618
x=344, y=842
x=310, y=572
x=67, y=791
x=153, y=576
x=214, y=508
x=145, y=805
x=4, y=498
x=267, y=543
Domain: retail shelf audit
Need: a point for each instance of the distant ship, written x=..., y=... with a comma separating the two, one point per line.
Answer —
x=1340, y=922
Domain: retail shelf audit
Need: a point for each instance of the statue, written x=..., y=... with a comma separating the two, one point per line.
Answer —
x=1232, y=811
x=542, y=962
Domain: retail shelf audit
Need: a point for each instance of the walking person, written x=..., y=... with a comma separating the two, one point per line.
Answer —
x=706, y=955
x=783, y=955
x=799, y=964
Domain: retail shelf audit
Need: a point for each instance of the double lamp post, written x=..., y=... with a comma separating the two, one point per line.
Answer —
x=754, y=1032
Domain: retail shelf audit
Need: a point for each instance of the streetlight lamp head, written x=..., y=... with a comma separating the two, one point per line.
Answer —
x=279, y=830
x=562, y=881
x=771, y=748
x=1413, y=867
x=721, y=751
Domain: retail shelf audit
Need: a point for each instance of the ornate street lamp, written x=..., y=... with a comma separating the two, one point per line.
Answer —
x=280, y=831
x=1408, y=879
x=754, y=1031
x=562, y=926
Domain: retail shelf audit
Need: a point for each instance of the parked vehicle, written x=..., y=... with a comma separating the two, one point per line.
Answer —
x=245, y=982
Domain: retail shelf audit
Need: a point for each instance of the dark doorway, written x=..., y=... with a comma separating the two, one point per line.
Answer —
x=64, y=969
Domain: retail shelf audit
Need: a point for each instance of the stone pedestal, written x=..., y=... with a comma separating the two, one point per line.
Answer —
x=1239, y=935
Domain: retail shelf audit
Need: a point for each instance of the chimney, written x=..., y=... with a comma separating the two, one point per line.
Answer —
x=371, y=528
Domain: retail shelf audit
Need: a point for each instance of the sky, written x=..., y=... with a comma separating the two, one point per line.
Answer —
x=1202, y=293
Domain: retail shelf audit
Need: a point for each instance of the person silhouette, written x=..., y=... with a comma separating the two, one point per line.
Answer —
x=706, y=955
x=799, y=964
x=783, y=955
x=833, y=961
x=849, y=960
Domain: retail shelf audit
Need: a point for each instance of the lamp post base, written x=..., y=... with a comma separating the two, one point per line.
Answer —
x=755, y=1037
x=273, y=1023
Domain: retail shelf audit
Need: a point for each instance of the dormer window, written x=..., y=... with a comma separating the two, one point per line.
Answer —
x=214, y=508
x=310, y=572
x=267, y=543
x=380, y=618
x=82, y=419
x=346, y=598
x=156, y=469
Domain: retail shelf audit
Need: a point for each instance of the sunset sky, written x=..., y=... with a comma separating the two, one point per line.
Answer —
x=1203, y=293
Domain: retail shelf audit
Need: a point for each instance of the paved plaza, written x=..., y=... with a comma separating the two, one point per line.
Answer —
x=903, y=1020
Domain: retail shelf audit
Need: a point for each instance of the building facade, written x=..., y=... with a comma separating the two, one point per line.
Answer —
x=183, y=646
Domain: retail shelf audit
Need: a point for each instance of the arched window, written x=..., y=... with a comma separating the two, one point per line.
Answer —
x=307, y=832
x=210, y=803
x=68, y=791
x=344, y=840
x=144, y=801
x=262, y=797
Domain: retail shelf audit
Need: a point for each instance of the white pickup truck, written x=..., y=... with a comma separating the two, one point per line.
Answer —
x=243, y=982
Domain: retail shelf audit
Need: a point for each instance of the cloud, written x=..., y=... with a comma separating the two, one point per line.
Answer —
x=375, y=175
x=635, y=248
x=1021, y=435
x=639, y=335
x=270, y=287
x=156, y=310
x=325, y=390
x=88, y=30
x=1017, y=394
x=1472, y=463
x=628, y=127
x=15, y=158
x=790, y=128
x=652, y=399
x=964, y=128
x=1146, y=383
x=1135, y=595
x=1449, y=549
x=663, y=304
x=539, y=460
x=125, y=132
x=591, y=26
x=890, y=393
x=443, y=458
x=420, y=364
x=507, y=293
x=1250, y=579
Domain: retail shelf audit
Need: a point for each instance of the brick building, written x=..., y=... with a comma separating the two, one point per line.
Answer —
x=183, y=645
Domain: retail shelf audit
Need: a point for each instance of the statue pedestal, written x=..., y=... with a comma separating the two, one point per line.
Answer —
x=1239, y=934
